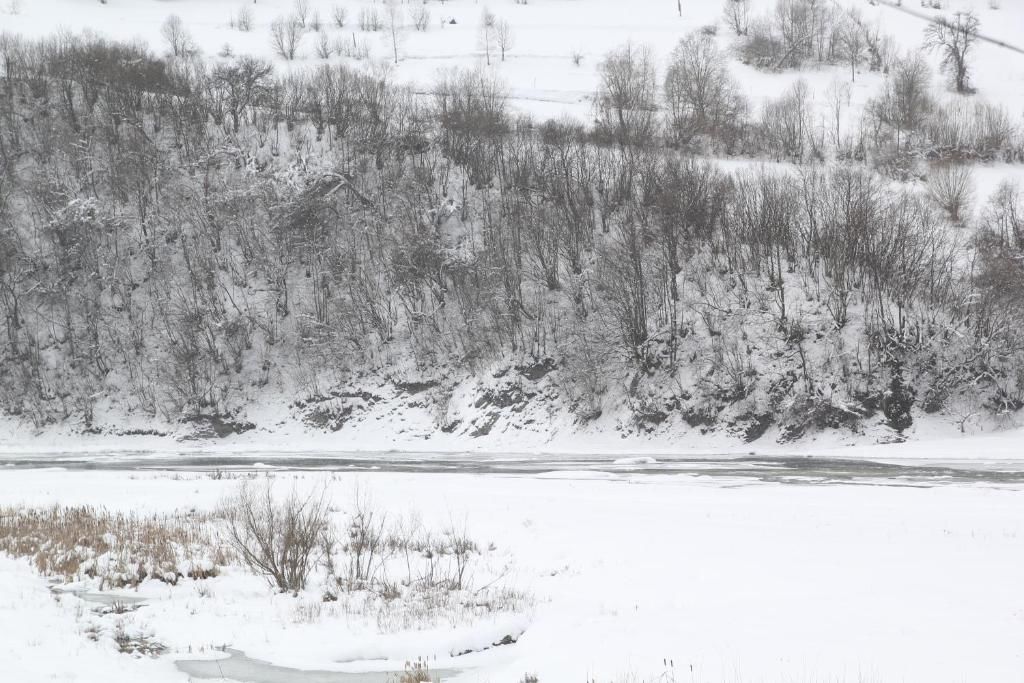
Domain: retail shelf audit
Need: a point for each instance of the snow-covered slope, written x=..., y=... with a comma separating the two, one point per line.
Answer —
x=547, y=34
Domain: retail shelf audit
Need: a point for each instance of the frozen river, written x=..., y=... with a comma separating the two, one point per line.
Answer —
x=740, y=468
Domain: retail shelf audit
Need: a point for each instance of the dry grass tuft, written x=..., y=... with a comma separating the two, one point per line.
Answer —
x=74, y=543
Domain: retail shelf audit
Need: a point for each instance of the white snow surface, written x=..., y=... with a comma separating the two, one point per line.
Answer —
x=730, y=581
x=539, y=68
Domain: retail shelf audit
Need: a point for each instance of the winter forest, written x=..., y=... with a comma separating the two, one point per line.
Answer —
x=185, y=235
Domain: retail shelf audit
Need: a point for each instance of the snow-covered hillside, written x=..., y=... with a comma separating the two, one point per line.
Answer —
x=199, y=244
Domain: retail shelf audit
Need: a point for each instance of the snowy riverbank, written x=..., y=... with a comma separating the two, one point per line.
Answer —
x=730, y=581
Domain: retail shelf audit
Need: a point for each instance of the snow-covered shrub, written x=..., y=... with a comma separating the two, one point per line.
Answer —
x=963, y=130
x=364, y=543
x=951, y=186
x=278, y=538
x=370, y=19
x=340, y=16
x=300, y=11
x=421, y=17
x=243, y=19
x=323, y=46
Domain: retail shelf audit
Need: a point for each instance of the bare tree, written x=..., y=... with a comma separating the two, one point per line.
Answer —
x=488, y=33
x=340, y=15
x=737, y=16
x=853, y=43
x=905, y=101
x=625, y=98
x=1004, y=214
x=277, y=538
x=954, y=38
x=285, y=37
x=421, y=17
x=178, y=39
x=504, y=37
x=242, y=84
x=700, y=95
x=394, y=18
x=301, y=12
x=786, y=121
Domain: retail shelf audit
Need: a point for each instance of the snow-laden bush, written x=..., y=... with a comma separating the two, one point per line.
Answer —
x=951, y=186
x=279, y=538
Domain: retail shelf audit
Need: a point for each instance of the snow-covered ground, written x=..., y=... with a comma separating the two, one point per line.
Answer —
x=539, y=68
x=728, y=581
x=930, y=438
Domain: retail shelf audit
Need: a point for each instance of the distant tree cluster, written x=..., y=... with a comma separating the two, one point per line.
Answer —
x=182, y=238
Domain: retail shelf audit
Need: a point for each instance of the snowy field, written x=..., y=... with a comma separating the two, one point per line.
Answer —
x=539, y=68
x=633, y=578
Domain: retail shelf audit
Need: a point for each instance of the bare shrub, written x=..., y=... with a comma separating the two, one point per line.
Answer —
x=356, y=48
x=323, y=46
x=301, y=12
x=421, y=17
x=737, y=16
x=243, y=19
x=951, y=186
x=365, y=542
x=1004, y=214
x=285, y=36
x=970, y=130
x=370, y=19
x=761, y=47
x=461, y=548
x=138, y=644
x=279, y=539
x=340, y=16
